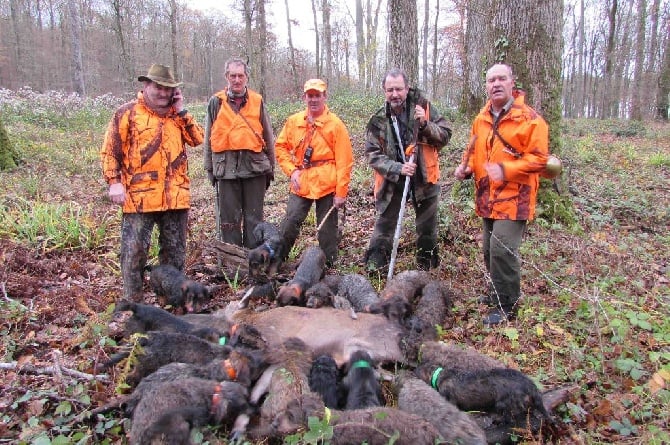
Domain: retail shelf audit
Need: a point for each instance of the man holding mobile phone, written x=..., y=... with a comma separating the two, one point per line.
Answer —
x=145, y=164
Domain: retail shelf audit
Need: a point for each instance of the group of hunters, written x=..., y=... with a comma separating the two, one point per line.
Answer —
x=144, y=163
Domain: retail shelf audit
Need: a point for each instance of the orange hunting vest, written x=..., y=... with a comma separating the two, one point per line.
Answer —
x=230, y=130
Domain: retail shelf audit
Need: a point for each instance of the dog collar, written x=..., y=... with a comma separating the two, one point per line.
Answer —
x=436, y=374
x=216, y=397
x=270, y=249
x=223, y=340
x=360, y=364
x=228, y=367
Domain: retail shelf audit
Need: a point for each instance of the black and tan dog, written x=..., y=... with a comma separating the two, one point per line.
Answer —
x=173, y=288
x=310, y=270
x=267, y=256
x=361, y=382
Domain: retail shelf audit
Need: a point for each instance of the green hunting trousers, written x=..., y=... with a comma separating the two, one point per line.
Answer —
x=502, y=239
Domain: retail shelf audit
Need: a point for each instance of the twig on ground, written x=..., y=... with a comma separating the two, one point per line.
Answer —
x=53, y=370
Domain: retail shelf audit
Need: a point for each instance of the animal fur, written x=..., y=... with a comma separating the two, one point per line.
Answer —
x=398, y=296
x=504, y=391
x=455, y=426
x=453, y=357
x=160, y=348
x=283, y=382
x=377, y=426
x=171, y=404
x=361, y=382
x=267, y=256
x=319, y=295
x=243, y=367
x=431, y=311
x=310, y=271
x=323, y=380
x=173, y=288
x=147, y=318
x=359, y=291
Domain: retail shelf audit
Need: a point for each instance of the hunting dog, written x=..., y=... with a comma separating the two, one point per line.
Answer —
x=172, y=407
x=310, y=270
x=361, y=382
x=267, y=256
x=147, y=318
x=323, y=380
x=173, y=288
x=455, y=426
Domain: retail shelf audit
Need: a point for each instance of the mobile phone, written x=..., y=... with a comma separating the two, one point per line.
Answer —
x=172, y=99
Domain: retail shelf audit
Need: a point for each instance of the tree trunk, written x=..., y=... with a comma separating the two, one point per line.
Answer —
x=327, y=39
x=8, y=156
x=360, y=41
x=126, y=64
x=663, y=94
x=403, y=50
x=636, y=98
x=371, y=47
x=75, y=38
x=609, y=62
x=435, y=48
x=263, y=47
x=250, y=45
x=317, y=41
x=294, y=71
x=173, y=39
x=424, y=45
x=478, y=55
x=534, y=50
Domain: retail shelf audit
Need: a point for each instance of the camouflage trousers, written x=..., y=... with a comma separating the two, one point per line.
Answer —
x=296, y=212
x=426, y=228
x=501, y=242
x=136, y=231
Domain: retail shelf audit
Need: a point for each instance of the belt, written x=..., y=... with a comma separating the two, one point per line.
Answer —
x=316, y=163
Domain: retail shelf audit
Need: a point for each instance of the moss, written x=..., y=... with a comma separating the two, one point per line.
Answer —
x=8, y=155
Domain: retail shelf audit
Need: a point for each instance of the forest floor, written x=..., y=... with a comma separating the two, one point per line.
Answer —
x=594, y=313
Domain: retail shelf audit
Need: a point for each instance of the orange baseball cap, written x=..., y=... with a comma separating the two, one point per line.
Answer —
x=315, y=84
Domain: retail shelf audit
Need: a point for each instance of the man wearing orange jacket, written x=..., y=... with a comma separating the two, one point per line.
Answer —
x=314, y=150
x=508, y=149
x=145, y=164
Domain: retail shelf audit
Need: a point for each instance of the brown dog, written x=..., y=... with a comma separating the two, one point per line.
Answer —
x=173, y=288
x=310, y=271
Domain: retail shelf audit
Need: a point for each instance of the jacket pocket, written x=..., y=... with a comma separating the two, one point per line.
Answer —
x=257, y=163
x=219, y=164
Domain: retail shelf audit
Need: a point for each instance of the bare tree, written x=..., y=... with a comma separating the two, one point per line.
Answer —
x=360, y=40
x=172, y=17
x=317, y=41
x=263, y=46
x=607, y=105
x=327, y=39
x=294, y=71
x=77, y=66
x=403, y=49
x=663, y=93
x=478, y=48
x=636, y=108
x=435, y=47
x=424, y=43
x=118, y=11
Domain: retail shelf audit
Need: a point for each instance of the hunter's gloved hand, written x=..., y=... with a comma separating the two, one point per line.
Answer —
x=117, y=193
x=211, y=178
x=269, y=177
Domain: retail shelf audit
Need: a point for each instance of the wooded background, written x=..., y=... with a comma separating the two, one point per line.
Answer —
x=575, y=58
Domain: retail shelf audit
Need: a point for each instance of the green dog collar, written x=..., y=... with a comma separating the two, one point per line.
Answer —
x=436, y=374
